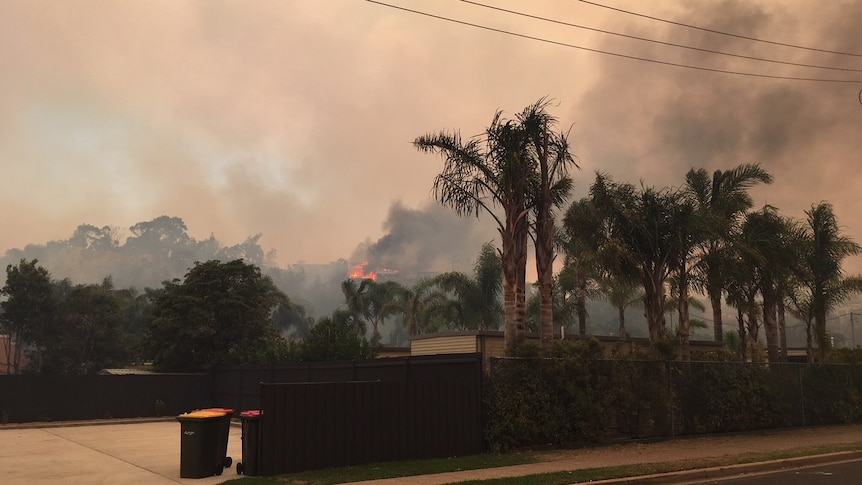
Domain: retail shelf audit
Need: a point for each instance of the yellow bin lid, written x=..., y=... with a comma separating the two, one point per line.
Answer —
x=202, y=414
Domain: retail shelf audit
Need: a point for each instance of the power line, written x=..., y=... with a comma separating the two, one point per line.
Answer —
x=654, y=41
x=704, y=29
x=615, y=54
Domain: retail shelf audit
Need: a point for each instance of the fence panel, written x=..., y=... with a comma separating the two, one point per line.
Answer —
x=420, y=408
x=29, y=398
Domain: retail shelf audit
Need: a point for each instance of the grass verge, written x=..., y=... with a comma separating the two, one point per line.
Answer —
x=424, y=467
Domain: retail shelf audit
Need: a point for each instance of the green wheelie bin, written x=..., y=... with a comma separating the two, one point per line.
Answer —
x=250, y=443
x=199, y=443
x=224, y=434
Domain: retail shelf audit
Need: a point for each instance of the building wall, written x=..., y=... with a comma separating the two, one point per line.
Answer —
x=444, y=344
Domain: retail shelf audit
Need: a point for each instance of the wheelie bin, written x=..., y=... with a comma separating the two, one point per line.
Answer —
x=199, y=443
x=224, y=434
x=250, y=443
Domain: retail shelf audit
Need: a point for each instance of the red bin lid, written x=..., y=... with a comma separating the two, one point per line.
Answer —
x=254, y=413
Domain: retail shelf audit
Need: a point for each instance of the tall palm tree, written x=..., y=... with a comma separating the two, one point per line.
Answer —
x=484, y=173
x=774, y=240
x=583, y=238
x=722, y=199
x=827, y=287
x=551, y=151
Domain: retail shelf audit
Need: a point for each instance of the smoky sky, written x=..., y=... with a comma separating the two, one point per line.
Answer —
x=295, y=119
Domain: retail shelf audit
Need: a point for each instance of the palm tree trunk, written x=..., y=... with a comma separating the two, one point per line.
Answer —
x=715, y=301
x=654, y=306
x=622, y=316
x=684, y=330
x=782, y=329
x=769, y=321
x=743, y=348
x=582, y=304
x=820, y=334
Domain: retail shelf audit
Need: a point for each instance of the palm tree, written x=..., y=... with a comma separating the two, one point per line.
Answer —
x=356, y=302
x=477, y=297
x=721, y=199
x=825, y=250
x=589, y=256
x=773, y=240
x=645, y=227
x=486, y=172
x=621, y=292
x=418, y=304
x=378, y=302
x=551, y=150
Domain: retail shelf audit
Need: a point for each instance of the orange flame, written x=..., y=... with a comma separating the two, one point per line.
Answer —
x=357, y=272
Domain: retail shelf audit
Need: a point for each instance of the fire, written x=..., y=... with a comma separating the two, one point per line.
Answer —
x=357, y=272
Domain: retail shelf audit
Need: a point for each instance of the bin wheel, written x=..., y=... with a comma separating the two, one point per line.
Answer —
x=239, y=468
x=228, y=461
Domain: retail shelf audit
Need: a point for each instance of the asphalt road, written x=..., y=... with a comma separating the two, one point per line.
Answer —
x=848, y=473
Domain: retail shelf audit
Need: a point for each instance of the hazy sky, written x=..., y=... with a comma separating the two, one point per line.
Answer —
x=294, y=118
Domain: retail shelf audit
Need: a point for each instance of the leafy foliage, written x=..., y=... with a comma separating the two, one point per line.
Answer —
x=220, y=314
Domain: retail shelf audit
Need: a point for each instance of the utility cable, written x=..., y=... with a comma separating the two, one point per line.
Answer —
x=704, y=29
x=615, y=54
x=654, y=41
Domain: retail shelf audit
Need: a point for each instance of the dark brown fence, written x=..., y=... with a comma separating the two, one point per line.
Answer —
x=238, y=387
x=415, y=408
x=28, y=398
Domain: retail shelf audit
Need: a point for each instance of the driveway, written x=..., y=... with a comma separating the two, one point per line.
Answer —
x=127, y=454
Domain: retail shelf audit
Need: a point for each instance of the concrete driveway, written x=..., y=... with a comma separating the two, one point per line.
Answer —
x=127, y=454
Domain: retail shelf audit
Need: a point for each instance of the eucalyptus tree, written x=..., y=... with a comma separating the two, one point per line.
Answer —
x=823, y=276
x=487, y=172
x=722, y=199
x=27, y=314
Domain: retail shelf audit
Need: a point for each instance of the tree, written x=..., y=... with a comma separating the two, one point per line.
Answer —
x=773, y=240
x=28, y=313
x=479, y=175
x=621, y=292
x=823, y=277
x=551, y=152
x=356, y=302
x=90, y=333
x=418, y=305
x=721, y=200
x=378, y=301
x=332, y=338
x=645, y=227
x=220, y=314
x=592, y=253
x=477, y=298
